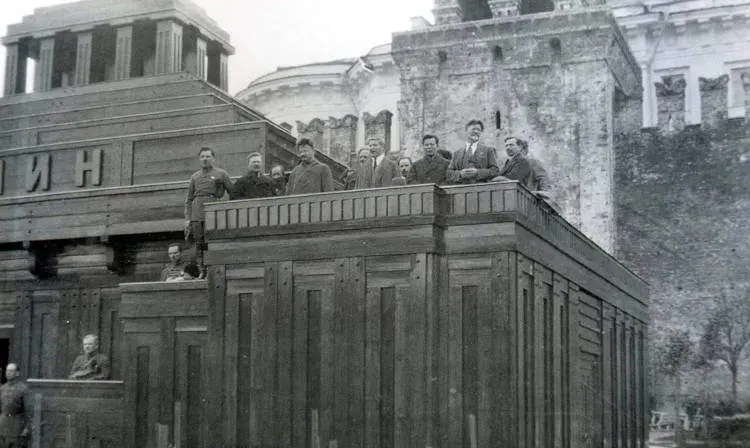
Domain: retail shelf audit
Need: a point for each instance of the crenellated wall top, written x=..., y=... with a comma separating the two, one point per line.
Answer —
x=87, y=14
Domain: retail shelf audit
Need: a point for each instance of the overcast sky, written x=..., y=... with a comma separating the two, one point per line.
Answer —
x=270, y=33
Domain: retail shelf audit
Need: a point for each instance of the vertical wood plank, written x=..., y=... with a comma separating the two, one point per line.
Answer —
x=372, y=368
x=607, y=314
x=508, y=265
x=231, y=353
x=415, y=320
x=542, y=278
x=356, y=337
x=246, y=399
x=266, y=367
x=95, y=307
x=36, y=422
x=644, y=386
x=63, y=360
x=470, y=334
x=524, y=294
x=559, y=286
x=217, y=281
x=166, y=370
x=574, y=356
x=284, y=338
x=328, y=371
x=431, y=305
x=302, y=350
x=388, y=303
x=502, y=393
x=487, y=372
x=442, y=344
x=126, y=168
x=455, y=426
x=342, y=375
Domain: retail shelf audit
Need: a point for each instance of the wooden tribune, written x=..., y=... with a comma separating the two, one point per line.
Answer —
x=81, y=414
x=466, y=316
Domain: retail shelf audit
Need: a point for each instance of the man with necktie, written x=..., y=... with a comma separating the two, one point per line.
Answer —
x=475, y=162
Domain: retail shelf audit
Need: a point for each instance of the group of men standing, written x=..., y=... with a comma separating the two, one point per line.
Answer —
x=473, y=163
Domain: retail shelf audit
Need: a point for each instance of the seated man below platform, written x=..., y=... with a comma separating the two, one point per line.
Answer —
x=177, y=269
x=91, y=365
x=475, y=162
x=14, y=422
x=206, y=185
x=279, y=180
x=404, y=167
x=310, y=176
x=526, y=170
x=432, y=168
x=254, y=184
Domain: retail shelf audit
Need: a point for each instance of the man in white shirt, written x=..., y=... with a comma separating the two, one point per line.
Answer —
x=475, y=162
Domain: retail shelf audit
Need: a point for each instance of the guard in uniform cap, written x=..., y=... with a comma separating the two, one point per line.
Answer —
x=206, y=185
x=14, y=427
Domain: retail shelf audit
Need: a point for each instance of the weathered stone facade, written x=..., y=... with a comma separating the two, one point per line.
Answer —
x=548, y=79
x=682, y=207
x=335, y=137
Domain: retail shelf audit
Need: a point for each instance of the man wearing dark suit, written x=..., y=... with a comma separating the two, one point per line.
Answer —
x=254, y=184
x=432, y=168
x=524, y=169
x=475, y=162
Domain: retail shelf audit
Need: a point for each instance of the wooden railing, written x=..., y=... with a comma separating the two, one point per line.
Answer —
x=488, y=201
x=322, y=208
x=535, y=214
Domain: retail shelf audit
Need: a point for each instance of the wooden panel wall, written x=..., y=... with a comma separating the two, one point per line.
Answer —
x=50, y=325
x=75, y=414
x=463, y=350
x=165, y=328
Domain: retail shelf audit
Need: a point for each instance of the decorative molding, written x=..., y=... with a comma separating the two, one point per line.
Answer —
x=347, y=121
x=315, y=125
x=383, y=117
x=671, y=85
x=713, y=83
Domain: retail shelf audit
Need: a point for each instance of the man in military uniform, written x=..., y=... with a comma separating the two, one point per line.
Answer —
x=91, y=365
x=254, y=184
x=310, y=176
x=432, y=168
x=14, y=427
x=175, y=270
x=206, y=185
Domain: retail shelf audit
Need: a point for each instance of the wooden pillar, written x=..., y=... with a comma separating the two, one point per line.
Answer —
x=224, y=71
x=83, y=58
x=195, y=60
x=168, y=47
x=123, y=52
x=44, y=66
x=15, y=69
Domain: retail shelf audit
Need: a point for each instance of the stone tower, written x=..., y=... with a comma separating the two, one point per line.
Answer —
x=552, y=78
